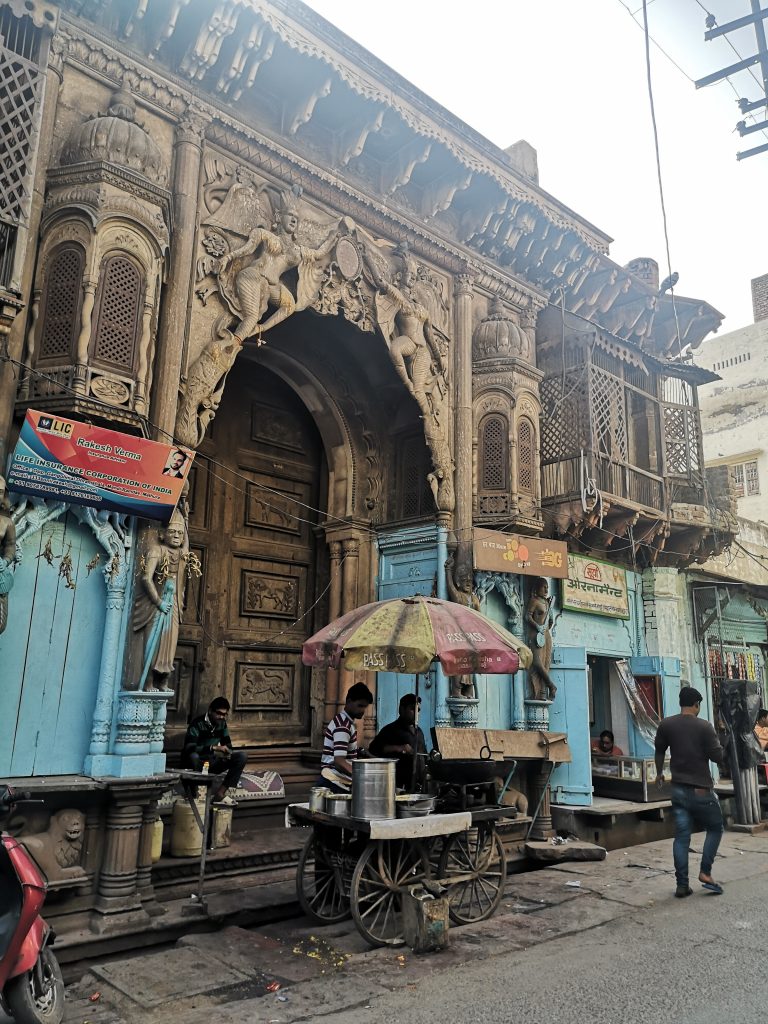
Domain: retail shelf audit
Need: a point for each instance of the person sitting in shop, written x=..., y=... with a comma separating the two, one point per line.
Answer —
x=208, y=741
x=605, y=747
x=403, y=739
x=340, y=747
x=761, y=729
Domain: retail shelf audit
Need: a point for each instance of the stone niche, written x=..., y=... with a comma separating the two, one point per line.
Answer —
x=102, y=254
x=506, y=412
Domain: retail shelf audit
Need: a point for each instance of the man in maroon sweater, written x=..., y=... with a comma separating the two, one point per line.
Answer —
x=693, y=743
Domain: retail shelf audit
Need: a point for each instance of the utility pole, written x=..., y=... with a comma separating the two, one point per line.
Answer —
x=714, y=31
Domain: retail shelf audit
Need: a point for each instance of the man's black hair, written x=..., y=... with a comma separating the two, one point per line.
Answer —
x=608, y=733
x=219, y=704
x=762, y=713
x=689, y=697
x=359, y=691
x=408, y=701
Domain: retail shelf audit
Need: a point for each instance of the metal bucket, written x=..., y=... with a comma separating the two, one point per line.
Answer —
x=317, y=797
x=373, y=788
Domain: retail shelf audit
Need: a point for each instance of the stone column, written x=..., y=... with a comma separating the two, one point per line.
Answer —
x=350, y=547
x=463, y=421
x=334, y=610
x=172, y=336
x=117, y=900
x=98, y=762
x=15, y=338
x=542, y=828
x=144, y=863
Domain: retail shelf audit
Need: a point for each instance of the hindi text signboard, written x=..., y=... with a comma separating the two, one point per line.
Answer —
x=597, y=587
x=508, y=552
x=85, y=465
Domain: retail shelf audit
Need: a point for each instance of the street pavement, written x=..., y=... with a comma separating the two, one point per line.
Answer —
x=578, y=942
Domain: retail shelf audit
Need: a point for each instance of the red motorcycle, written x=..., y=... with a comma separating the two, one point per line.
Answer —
x=31, y=986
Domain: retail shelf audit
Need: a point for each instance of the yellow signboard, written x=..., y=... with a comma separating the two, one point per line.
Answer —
x=596, y=587
x=508, y=552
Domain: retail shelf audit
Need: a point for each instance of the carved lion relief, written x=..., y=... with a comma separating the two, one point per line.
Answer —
x=58, y=849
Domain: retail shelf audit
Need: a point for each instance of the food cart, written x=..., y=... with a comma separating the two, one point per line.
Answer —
x=350, y=867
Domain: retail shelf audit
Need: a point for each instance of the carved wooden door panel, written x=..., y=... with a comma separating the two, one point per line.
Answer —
x=252, y=524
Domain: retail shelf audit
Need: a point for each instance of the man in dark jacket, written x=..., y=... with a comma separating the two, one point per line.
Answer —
x=208, y=739
x=693, y=743
x=402, y=739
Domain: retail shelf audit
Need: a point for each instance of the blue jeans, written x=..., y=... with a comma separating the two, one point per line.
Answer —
x=695, y=810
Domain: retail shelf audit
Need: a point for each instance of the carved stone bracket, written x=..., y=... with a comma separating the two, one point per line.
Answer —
x=485, y=582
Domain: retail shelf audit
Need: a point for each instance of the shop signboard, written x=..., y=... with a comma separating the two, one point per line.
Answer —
x=597, y=587
x=508, y=552
x=78, y=463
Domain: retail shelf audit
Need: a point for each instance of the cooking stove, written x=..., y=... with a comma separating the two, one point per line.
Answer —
x=453, y=796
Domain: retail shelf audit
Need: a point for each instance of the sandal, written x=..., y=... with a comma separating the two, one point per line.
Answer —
x=714, y=887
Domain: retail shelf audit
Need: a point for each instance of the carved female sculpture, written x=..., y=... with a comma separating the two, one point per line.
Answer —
x=166, y=560
x=7, y=554
x=459, y=585
x=257, y=283
x=539, y=624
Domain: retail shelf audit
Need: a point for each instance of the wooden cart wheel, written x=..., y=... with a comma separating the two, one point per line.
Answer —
x=473, y=867
x=386, y=868
x=320, y=883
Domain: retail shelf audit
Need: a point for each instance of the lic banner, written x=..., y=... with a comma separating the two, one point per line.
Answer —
x=70, y=461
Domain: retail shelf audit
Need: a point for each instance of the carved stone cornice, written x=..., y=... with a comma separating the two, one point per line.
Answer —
x=99, y=171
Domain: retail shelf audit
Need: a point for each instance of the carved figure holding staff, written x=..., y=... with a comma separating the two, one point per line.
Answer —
x=539, y=623
x=7, y=554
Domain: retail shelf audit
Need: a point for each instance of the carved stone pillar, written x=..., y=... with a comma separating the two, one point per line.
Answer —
x=97, y=762
x=350, y=547
x=542, y=828
x=117, y=895
x=84, y=337
x=91, y=843
x=334, y=610
x=463, y=421
x=144, y=865
x=171, y=347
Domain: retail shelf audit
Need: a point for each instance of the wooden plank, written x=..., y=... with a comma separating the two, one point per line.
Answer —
x=503, y=743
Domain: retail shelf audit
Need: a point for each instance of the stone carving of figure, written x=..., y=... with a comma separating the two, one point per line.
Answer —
x=460, y=591
x=7, y=554
x=257, y=282
x=539, y=623
x=58, y=849
x=404, y=322
x=250, y=280
x=166, y=560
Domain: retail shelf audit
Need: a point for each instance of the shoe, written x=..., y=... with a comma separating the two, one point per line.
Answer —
x=227, y=799
x=714, y=887
x=682, y=891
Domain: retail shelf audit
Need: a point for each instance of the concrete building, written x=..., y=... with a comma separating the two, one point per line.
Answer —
x=734, y=409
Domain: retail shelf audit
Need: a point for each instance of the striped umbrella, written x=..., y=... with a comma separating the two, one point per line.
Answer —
x=407, y=634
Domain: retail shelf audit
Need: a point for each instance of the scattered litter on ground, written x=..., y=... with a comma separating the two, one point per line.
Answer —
x=273, y=986
x=321, y=950
x=401, y=960
x=94, y=997
x=573, y=885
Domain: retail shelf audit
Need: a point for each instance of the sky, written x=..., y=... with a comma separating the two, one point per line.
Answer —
x=569, y=76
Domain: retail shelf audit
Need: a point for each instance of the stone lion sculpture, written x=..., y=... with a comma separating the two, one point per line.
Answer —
x=58, y=849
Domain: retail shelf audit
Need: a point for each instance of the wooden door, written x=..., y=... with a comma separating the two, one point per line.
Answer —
x=252, y=523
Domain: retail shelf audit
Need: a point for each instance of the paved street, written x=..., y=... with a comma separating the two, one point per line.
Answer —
x=570, y=944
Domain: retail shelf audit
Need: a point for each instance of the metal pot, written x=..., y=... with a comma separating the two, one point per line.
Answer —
x=317, y=797
x=414, y=805
x=338, y=804
x=373, y=788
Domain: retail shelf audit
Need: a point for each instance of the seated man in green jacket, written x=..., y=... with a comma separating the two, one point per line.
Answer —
x=208, y=739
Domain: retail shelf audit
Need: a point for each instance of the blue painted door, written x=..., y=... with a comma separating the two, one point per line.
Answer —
x=50, y=654
x=569, y=713
x=668, y=672
x=405, y=570
x=494, y=692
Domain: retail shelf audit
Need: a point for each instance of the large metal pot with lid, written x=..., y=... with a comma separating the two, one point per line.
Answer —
x=373, y=788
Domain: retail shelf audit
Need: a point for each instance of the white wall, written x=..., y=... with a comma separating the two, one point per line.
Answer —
x=734, y=410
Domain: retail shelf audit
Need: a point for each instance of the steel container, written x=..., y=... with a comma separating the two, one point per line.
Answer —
x=373, y=788
x=317, y=797
x=337, y=804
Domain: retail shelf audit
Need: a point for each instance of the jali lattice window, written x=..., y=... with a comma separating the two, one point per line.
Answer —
x=526, y=468
x=493, y=448
x=117, y=323
x=414, y=498
x=62, y=299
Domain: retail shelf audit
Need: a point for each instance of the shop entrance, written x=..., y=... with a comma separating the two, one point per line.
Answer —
x=253, y=524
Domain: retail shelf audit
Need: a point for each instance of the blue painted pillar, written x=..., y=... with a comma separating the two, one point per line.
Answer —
x=98, y=761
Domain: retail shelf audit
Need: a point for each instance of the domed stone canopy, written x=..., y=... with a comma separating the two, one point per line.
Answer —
x=498, y=336
x=116, y=138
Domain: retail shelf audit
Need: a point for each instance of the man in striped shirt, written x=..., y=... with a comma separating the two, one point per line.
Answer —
x=340, y=747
